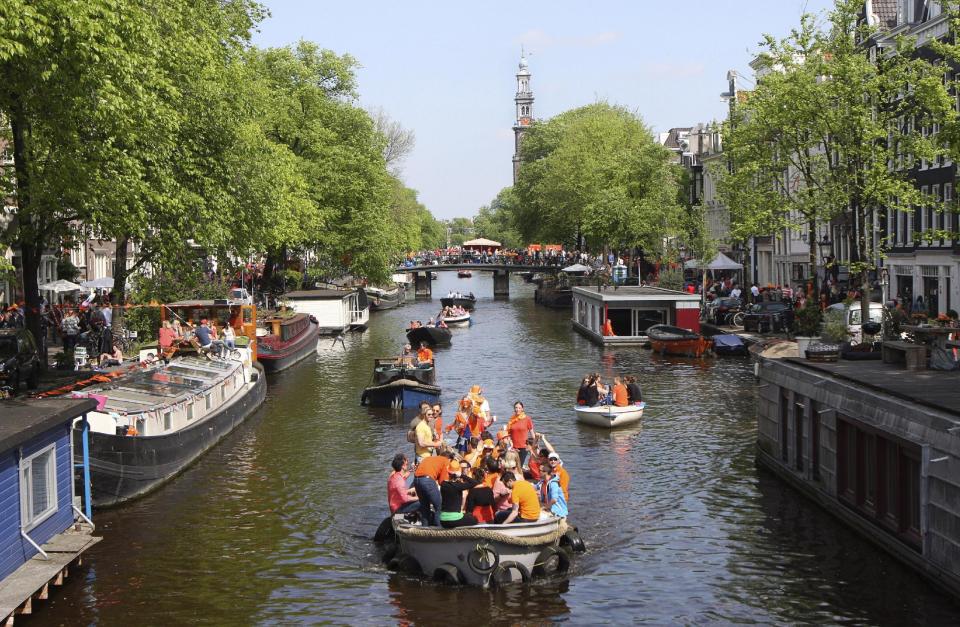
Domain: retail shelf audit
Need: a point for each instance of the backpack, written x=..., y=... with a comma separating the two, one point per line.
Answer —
x=412, y=436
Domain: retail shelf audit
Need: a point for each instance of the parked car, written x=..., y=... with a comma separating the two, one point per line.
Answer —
x=720, y=308
x=240, y=295
x=854, y=319
x=766, y=317
x=19, y=359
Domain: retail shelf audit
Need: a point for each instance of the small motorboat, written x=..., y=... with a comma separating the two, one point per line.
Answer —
x=399, y=394
x=388, y=369
x=456, y=299
x=729, y=344
x=480, y=555
x=433, y=336
x=457, y=321
x=464, y=274
x=434, y=276
x=610, y=416
x=668, y=340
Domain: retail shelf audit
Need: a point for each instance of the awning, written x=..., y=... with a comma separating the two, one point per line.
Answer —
x=482, y=243
x=722, y=262
x=577, y=267
x=60, y=285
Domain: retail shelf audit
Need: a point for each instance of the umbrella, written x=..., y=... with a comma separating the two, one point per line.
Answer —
x=482, y=242
x=577, y=267
x=60, y=285
x=105, y=282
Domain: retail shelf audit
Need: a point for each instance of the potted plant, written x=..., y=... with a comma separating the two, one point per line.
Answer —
x=806, y=326
x=833, y=331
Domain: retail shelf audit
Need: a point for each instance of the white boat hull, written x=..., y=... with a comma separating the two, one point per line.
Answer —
x=458, y=321
x=609, y=416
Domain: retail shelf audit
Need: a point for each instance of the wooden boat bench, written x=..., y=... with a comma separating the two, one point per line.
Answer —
x=913, y=356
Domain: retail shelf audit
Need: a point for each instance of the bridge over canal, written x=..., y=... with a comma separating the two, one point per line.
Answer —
x=501, y=274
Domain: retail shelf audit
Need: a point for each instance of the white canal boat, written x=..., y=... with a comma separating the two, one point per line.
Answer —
x=457, y=321
x=610, y=416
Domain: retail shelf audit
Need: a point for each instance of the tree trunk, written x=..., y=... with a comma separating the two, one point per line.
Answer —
x=812, y=237
x=267, y=275
x=30, y=255
x=31, y=244
x=863, y=251
x=118, y=296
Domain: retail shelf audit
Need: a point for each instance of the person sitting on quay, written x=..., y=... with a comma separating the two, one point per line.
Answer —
x=400, y=498
x=114, y=358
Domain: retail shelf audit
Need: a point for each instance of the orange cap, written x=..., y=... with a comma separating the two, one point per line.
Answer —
x=454, y=466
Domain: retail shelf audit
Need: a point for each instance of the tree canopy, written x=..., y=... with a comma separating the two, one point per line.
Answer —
x=595, y=175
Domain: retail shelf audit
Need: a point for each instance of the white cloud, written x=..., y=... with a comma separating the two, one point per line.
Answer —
x=536, y=39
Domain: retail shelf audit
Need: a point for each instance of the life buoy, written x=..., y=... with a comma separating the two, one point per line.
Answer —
x=573, y=540
x=551, y=561
x=448, y=574
x=483, y=559
x=503, y=574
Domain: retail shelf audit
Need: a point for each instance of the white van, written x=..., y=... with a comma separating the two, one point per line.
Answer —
x=854, y=319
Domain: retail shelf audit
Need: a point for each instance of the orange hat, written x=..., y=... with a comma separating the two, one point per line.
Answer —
x=488, y=443
x=454, y=466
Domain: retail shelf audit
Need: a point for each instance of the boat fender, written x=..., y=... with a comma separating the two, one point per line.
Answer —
x=389, y=551
x=550, y=561
x=405, y=564
x=385, y=531
x=503, y=574
x=572, y=539
x=483, y=559
x=448, y=574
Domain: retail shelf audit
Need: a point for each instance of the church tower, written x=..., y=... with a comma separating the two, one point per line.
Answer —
x=524, y=102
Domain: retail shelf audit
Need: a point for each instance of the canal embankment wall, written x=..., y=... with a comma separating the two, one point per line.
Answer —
x=875, y=445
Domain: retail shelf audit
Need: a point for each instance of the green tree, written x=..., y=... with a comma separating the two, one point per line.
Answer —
x=835, y=133
x=595, y=174
x=496, y=220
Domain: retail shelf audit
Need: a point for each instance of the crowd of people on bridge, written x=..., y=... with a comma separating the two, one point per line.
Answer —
x=467, y=472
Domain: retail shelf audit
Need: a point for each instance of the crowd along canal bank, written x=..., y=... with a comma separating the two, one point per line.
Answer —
x=274, y=524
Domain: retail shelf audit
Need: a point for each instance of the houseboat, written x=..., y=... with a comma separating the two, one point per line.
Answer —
x=154, y=419
x=45, y=526
x=381, y=299
x=621, y=315
x=336, y=311
x=286, y=338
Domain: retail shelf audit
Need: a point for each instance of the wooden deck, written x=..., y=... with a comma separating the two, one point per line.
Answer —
x=932, y=388
x=33, y=579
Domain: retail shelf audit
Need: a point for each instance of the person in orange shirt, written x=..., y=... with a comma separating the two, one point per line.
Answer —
x=430, y=473
x=424, y=355
x=556, y=467
x=461, y=420
x=438, y=420
x=477, y=423
x=620, y=396
x=520, y=426
x=526, y=502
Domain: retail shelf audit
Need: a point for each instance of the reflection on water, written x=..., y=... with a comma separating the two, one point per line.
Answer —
x=273, y=525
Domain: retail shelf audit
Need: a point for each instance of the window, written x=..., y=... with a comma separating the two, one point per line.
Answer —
x=167, y=422
x=798, y=411
x=209, y=400
x=784, y=408
x=879, y=477
x=190, y=411
x=38, y=487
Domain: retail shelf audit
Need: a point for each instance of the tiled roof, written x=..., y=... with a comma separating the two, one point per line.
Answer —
x=886, y=12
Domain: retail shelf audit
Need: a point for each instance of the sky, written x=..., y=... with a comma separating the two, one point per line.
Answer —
x=447, y=70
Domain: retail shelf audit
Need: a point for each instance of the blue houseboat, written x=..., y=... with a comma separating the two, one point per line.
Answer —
x=43, y=530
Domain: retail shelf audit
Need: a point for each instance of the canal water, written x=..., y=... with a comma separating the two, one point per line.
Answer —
x=274, y=525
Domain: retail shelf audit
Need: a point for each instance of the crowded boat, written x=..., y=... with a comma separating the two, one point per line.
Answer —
x=615, y=405
x=473, y=479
